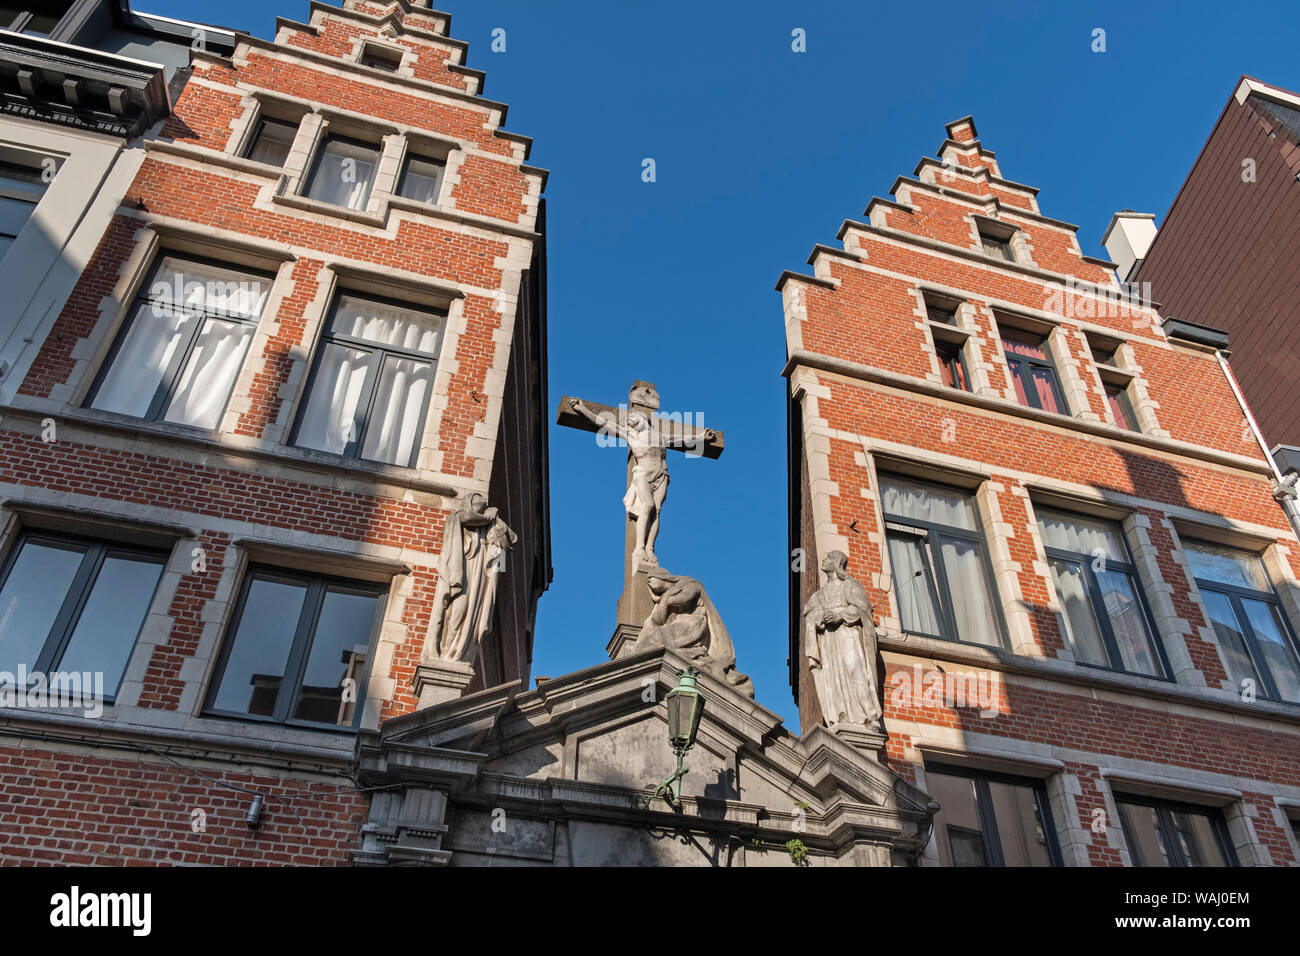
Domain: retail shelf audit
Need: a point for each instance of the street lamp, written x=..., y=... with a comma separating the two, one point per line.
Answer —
x=685, y=708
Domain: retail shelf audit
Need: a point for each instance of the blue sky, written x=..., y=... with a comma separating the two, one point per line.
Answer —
x=760, y=152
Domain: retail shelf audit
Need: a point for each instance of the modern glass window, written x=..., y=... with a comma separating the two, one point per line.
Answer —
x=344, y=173
x=1161, y=833
x=1106, y=619
x=1121, y=409
x=952, y=366
x=272, y=141
x=1257, y=641
x=991, y=819
x=369, y=391
x=298, y=649
x=936, y=552
x=1032, y=370
x=421, y=179
x=21, y=189
x=997, y=246
x=180, y=351
x=74, y=605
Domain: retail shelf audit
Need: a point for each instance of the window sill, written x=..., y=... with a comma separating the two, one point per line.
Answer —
x=363, y=217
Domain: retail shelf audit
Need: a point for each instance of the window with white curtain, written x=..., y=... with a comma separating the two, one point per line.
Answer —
x=369, y=390
x=272, y=141
x=1106, y=618
x=941, y=574
x=1257, y=641
x=181, y=349
x=344, y=173
x=421, y=179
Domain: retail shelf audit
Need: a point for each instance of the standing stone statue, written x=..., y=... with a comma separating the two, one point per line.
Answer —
x=648, y=484
x=473, y=556
x=840, y=643
x=685, y=621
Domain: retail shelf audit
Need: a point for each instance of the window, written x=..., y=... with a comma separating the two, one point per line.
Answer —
x=21, y=189
x=421, y=179
x=379, y=58
x=1032, y=371
x=272, y=141
x=71, y=604
x=1106, y=619
x=344, y=173
x=1121, y=409
x=952, y=366
x=369, y=391
x=936, y=551
x=940, y=314
x=177, y=356
x=1257, y=642
x=999, y=247
x=298, y=649
x=1103, y=355
x=991, y=820
x=1160, y=833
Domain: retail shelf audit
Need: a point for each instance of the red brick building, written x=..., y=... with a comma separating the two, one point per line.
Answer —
x=1086, y=592
x=312, y=323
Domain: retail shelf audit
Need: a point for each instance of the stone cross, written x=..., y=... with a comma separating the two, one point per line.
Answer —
x=621, y=425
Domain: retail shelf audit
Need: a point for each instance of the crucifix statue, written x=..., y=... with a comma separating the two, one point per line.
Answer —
x=648, y=437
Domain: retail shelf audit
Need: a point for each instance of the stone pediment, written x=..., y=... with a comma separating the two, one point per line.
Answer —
x=588, y=748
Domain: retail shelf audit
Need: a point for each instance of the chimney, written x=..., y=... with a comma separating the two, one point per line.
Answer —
x=1127, y=239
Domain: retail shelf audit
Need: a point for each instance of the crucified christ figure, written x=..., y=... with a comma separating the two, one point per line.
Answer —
x=648, y=485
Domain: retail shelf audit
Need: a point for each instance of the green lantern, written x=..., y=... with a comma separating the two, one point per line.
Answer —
x=685, y=708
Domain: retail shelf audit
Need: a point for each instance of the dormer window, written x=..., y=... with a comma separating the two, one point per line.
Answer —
x=999, y=247
x=380, y=58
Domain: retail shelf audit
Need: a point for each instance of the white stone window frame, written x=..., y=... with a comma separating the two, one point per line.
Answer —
x=94, y=351
x=312, y=555
x=401, y=57
x=1056, y=344
x=1277, y=569
x=1021, y=251
x=961, y=335
x=316, y=123
x=1120, y=374
x=1115, y=782
x=341, y=278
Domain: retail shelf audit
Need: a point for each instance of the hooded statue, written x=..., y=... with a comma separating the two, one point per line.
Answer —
x=839, y=640
x=685, y=621
x=474, y=544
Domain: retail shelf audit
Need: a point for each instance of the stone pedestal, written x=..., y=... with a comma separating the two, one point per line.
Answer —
x=634, y=606
x=869, y=740
x=439, y=681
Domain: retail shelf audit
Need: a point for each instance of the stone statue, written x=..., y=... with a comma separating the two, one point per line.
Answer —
x=840, y=643
x=685, y=621
x=648, y=484
x=474, y=545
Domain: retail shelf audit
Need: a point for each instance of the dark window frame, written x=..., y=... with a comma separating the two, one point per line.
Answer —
x=1102, y=616
x=94, y=552
x=951, y=356
x=372, y=53
x=936, y=575
x=175, y=369
x=406, y=169
x=1235, y=593
x=1005, y=251
x=370, y=387
x=988, y=819
x=1167, y=829
x=318, y=585
x=1125, y=403
x=1022, y=366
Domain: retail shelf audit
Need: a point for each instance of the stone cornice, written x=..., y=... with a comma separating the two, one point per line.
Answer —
x=956, y=194
x=804, y=359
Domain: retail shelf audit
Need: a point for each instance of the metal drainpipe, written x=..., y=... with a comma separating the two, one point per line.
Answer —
x=1289, y=504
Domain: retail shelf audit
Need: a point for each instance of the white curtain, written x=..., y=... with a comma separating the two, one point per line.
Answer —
x=909, y=499
x=210, y=374
x=344, y=174
x=1080, y=621
x=1080, y=536
x=391, y=434
x=968, y=589
x=915, y=607
x=148, y=349
x=386, y=324
x=329, y=421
